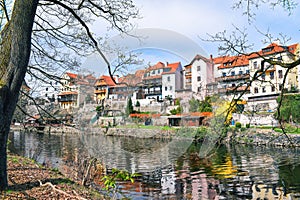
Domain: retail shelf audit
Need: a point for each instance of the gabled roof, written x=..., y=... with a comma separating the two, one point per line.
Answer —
x=71, y=75
x=173, y=67
x=106, y=79
x=131, y=79
x=275, y=48
x=158, y=65
x=231, y=61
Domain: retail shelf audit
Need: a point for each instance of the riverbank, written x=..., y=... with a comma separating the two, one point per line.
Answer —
x=264, y=137
x=250, y=136
x=29, y=180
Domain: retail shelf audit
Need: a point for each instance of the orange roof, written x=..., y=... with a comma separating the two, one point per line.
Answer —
x=131, y=79
x=274, y=48
x=67, y=93
x=173, y=66
x=231, y=61
x=107, y=79
x=71, y=75
x=158, y=65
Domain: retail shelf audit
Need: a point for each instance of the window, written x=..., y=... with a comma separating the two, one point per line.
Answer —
x=240, y=72
x=158, y=71
x=171, y=87
x=255, y=65
x=271, y=75
x=46, y=95
x=232, y=73
x=280, y=87
x=46, y=89
x=247, y=71
x=255, y=90
x=198, y=68
x=233, y=85
x=169, y=78
x=153, y=72
x=199, y=89
x=166, y=88
x=224, y=74
x=264, y=89
x=199, y=78
x=273, y=88
x=280, y=74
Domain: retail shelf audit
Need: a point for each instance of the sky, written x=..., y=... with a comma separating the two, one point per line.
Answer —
x=189, y=22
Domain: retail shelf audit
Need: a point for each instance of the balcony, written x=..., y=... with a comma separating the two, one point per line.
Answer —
x=156, y=92
x=100, y=91
x=233, y=78
x=67, y=99
x=233, y=89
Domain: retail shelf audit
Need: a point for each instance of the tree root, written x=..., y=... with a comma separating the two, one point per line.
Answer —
x=61, y=191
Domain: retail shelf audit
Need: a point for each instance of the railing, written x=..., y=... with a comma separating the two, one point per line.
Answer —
x=99, y=91
x=68, y=99
x=153, y=92
x=235, y=77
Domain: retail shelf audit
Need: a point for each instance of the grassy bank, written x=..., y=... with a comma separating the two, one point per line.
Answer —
x=29, y=180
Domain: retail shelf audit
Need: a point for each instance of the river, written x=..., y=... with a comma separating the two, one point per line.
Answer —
x=174, y=169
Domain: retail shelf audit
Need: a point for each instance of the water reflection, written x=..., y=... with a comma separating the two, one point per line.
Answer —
x=173, y=169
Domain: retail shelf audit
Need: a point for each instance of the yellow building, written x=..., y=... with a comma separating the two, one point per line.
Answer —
x=102, y=86
x=74, y=90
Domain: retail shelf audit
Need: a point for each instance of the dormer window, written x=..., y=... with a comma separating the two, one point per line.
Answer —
x=266, y=50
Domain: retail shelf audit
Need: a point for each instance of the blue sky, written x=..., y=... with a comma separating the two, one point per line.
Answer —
x=196, y=18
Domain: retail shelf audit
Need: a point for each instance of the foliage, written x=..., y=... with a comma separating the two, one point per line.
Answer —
x=201, y=133
x=129, y=107
x=110, y=181
x=205, y=105
x=247, y=125
x=194, y=105
x=238, y=125
x=137, y=104
x=290, y=108
x=177, y=102
x=176, y=111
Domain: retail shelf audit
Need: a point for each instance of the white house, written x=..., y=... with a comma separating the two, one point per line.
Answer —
x=198, y=74
x=172, y=80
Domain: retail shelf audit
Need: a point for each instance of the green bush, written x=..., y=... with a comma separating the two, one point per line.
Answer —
x=247, y=125
x=238, y=125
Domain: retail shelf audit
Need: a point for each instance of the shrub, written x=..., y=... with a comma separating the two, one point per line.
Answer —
x=238, y=125
x=247, y=125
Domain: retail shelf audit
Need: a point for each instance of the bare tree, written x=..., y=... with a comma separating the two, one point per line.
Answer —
x=44, y=37
x=236, y=43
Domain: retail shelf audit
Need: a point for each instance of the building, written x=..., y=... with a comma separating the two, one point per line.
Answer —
x=103, y=87
x=232, y=75
x=128, y=86
x=75, y=90
x=162, y=80
x=198, y=75
x=269, y=83
x=49, y=91
x=172, y=80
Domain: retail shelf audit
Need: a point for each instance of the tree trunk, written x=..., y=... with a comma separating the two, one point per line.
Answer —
x=14, y=58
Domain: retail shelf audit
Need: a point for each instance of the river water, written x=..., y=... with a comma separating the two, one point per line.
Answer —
x=174, y=169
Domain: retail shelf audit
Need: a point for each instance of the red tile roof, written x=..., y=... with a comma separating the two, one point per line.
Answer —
x=158, y=65
x=274, y=48
x=173, y=66
x=231, y=61
x=71, y=75
x=106, y=79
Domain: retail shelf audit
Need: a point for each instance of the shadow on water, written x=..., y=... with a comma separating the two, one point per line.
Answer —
x=175, y=169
